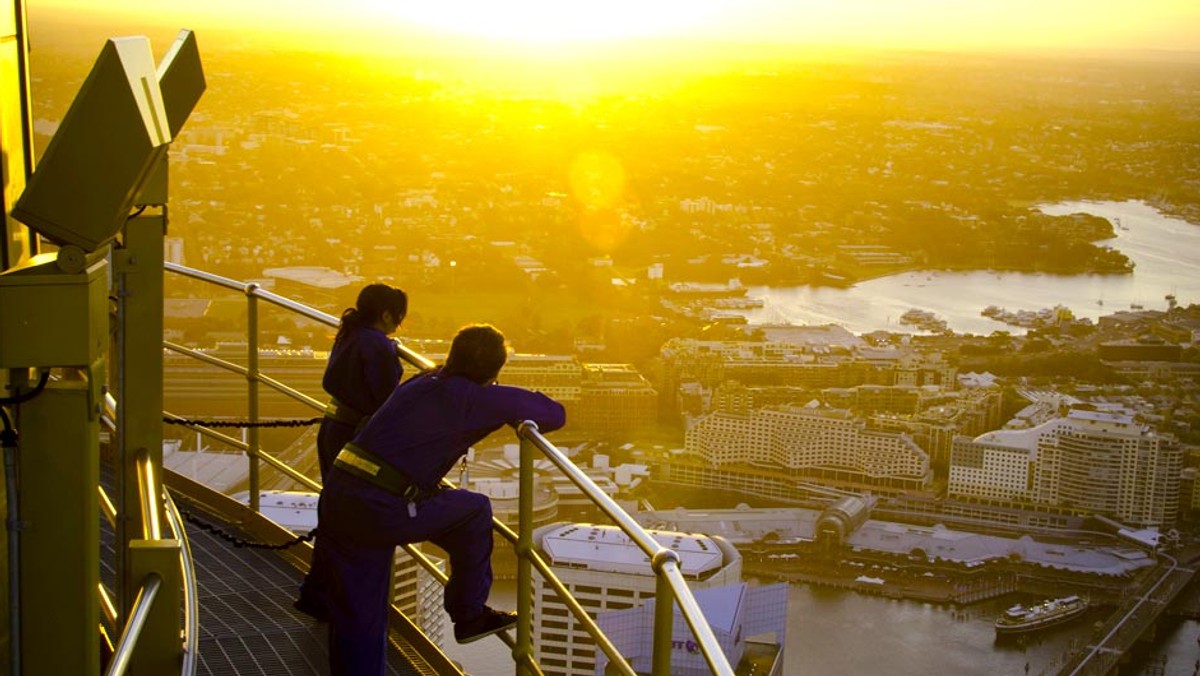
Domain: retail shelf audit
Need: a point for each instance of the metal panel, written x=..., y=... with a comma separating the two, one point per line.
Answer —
x=51, y=317
x=111, y=136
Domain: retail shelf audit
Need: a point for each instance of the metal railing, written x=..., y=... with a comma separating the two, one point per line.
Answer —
x=133, y=628
x=671, y=589
x=149, y=486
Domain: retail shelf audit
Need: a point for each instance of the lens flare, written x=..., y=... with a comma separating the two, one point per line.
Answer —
x=597, y=181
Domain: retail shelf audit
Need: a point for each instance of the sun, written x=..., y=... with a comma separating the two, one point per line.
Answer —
x=555, y=20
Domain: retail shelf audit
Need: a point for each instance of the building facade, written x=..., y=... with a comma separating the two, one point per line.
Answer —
x=829, y=445
x=749, y=623
x=1092, y=462
x=605, y=571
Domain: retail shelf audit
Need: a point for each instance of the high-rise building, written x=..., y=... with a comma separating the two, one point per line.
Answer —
x=1091, y=462
x=749, y=623
x=605, y=571
x=602, y=400
x=832, y=446
x=559, y=377
x=616, y=402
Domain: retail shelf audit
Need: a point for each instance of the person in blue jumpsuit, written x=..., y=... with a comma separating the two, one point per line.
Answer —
x=362, y=371
x=383, y=491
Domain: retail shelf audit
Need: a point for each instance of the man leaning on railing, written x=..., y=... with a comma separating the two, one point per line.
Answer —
x=383, y=491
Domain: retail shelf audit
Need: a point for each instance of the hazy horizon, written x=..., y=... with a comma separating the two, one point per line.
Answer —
x=762, y=29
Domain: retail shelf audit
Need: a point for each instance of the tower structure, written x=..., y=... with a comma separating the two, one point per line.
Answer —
x=606, y=571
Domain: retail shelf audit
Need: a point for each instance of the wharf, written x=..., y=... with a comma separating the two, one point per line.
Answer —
x=931, y=589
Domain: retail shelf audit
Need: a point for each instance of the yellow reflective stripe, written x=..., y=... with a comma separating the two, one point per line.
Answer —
x=358, y=462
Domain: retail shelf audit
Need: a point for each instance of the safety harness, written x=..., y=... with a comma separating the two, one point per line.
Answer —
x=342, y=413
x=375, y=470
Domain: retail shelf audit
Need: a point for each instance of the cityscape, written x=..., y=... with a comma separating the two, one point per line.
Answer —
x=882, y=477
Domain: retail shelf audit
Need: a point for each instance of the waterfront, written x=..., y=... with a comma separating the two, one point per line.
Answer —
x=835, y=632
x=838, y=633
x=1165, y=251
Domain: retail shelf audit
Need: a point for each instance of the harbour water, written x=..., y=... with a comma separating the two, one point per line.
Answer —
x=833, y=632
x=1165, y=251
x=839, y=633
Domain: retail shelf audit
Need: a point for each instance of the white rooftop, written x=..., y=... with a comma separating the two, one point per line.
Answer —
x=294, y=510
x=799, y=524
x=608, y=549
x=317, y=276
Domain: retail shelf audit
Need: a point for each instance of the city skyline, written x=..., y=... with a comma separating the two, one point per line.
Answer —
x=622, y=242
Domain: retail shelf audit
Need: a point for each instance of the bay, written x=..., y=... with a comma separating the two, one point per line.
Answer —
x=833, y=632
x=1165, y=251
x=838, y=633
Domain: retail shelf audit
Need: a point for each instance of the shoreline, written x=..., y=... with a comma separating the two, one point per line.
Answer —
x=950, y=589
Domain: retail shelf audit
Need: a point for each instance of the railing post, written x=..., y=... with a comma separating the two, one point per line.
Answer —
x=252, y=389
x=523, y=649
x=138, y=277
x=664, y=613
x=159, y=647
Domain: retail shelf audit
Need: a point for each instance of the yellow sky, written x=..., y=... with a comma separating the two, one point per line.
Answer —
x=921, y=24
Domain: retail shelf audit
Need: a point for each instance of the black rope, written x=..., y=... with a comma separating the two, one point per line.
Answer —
x=241, y=423
x=239, y=542
x=22, y=398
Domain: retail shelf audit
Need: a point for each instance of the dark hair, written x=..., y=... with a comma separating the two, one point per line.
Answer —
x=477, y=353
x=373, y=301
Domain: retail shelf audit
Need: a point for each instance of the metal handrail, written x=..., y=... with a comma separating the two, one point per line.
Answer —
x=243, y=371
x=406, y=353
x=191, y=593
x=133, y=629
x=564, y=594
x=147, y=486
x=108, y=606
x=664, y=562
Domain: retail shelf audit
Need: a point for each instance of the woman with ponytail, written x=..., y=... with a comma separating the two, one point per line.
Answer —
x=363, y=370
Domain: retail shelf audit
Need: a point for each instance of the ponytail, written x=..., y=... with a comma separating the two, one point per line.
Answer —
x=351, y=321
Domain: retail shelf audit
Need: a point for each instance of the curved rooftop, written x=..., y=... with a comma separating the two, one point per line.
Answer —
x=607, y=549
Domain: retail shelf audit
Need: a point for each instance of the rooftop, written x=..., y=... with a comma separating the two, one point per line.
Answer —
x=608, y=549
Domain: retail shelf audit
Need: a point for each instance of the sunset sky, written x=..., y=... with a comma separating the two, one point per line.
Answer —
x=922, y=24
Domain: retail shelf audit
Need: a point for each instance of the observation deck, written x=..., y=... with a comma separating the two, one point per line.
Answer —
x=107, y=570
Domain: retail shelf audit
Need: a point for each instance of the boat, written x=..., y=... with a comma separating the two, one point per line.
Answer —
x=924, y=320
x=1051, y=612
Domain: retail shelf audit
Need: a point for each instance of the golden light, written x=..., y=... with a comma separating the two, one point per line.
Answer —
x=597, y=181
x=552, y=20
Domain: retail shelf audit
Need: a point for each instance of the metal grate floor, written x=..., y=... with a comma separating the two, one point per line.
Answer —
x=247, y=623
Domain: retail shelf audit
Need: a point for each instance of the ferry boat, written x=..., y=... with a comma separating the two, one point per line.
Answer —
x=1048, y=613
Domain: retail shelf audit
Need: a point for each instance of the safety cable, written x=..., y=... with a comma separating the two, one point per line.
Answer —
x=241, y=423
x=241, y=543
x=22, y=398
x=8, y=434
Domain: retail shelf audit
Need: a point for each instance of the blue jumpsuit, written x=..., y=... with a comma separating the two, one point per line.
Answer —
x=424, y=427
x=361, y=373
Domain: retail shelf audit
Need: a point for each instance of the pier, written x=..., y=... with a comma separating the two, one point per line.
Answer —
x=1135, y=616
